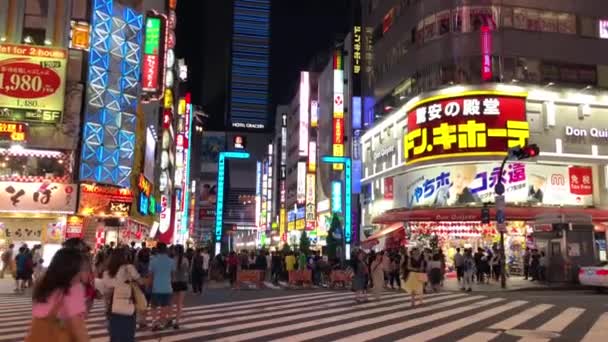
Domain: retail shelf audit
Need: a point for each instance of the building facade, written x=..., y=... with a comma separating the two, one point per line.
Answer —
x=454, y=88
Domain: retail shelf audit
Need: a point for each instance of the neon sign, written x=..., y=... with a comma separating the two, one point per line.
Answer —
x=480, y=123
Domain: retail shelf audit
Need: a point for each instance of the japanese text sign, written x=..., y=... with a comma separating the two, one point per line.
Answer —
x=32, y=83
x=480, y=125
x=74, y=227
x=12, y=131
x=473, y=184
x=357, y=44
x=97, y=199
x=44, y=197
x=153, y=64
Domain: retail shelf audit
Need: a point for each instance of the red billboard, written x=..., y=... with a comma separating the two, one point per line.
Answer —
x=480, y=124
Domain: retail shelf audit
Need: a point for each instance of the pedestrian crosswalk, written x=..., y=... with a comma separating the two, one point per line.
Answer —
x=335, y=316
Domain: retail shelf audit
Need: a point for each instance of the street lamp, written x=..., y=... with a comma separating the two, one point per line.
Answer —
x=347, y=197
x=219, y=209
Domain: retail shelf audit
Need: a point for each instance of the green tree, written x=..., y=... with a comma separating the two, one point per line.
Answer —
x=286, y=248
x=304, y=243
x=335, y=228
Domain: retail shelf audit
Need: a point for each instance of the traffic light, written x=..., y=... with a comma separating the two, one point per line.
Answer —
x=485, y=214
x=528, y=151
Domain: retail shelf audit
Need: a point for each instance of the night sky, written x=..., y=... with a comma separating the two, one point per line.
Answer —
x=300, y=30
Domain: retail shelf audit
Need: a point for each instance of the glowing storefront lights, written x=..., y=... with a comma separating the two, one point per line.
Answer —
x=219, y=213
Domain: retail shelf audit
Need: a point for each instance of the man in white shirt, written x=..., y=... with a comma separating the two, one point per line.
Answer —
x=459, y=265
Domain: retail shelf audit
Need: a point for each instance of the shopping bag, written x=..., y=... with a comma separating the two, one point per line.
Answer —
x=141, y=304
x=48, y=328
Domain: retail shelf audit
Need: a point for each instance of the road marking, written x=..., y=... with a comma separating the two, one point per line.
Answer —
x=315, y=333
x=480, y=337
x=286, y=317
x=599, y=330
x=556, y=324
x=447, y=328
x=507, y=324
x=521, y=317
x=393, y=328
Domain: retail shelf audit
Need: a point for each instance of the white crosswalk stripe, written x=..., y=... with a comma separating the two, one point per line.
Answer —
x=334, y=316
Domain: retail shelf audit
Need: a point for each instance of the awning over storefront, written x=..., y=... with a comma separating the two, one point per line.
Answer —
x=394, y=230
x=402, y=215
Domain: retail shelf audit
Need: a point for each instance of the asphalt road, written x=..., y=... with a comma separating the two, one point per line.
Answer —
x=321, y=315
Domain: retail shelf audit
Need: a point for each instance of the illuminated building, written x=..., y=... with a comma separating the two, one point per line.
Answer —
x=445, y=117
x=232, y=63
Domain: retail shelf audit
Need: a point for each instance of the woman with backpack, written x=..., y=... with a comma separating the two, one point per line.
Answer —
x=118, y=282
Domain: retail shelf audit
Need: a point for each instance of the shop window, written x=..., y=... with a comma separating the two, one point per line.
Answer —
x=457, y=19
x=482, y=16
x=569, y=73
x=526, y=19
x=506, y=13
x=33, y=168
x=35, y=21
x=443, y=21
x=566, y=23
x=527, y=70
x=430, y=28
x=420, y=33
x=549, y=22
x=589, y=27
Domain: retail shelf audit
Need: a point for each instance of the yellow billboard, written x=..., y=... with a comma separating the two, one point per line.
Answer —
x=32, y=83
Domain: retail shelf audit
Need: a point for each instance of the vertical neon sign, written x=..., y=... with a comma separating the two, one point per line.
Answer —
x=219, y=203
x=338, y=108
x=486, y=53
x=304, y=109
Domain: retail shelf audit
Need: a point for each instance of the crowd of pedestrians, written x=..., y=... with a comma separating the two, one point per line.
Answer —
x=133, y=283
x=25, y=267
x=415, y=271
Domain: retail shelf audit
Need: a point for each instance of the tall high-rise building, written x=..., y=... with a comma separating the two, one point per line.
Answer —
x=229, y=54
x=249, y=96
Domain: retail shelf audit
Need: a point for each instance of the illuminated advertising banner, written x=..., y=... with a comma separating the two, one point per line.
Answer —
x=80, y=32
x=311, y=212
x=483, y=124
x=165, y=228
x=13, y=132
x=338, y=109
x=282, y=221
x=153, y=63
x=258, y=192
x=312, y=156
x=301, y=186
x=269, y=187
x=336, y=197
x=357, y=45
x=338, y=131
x=314, y=113
x=104, y=200
x=466, y=184
x=486, y=53
x=32, y=83
x=304, y=109
x=37, y=197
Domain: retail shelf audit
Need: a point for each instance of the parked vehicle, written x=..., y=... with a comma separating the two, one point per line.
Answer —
x=595, y=276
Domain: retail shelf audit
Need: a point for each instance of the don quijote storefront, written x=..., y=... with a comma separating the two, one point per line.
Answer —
x=431, y=167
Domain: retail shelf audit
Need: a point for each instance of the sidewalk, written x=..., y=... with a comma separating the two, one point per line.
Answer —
x=7, y=286
x=513, y=284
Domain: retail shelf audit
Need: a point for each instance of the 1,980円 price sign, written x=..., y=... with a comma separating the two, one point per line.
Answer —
x=32, y=83
x=479, y=124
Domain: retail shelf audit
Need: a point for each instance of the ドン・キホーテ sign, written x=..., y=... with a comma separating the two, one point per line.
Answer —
x=481, y=123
